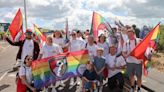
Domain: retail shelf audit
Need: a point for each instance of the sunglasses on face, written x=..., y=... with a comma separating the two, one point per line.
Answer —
x=29, y=59
x=73, y=34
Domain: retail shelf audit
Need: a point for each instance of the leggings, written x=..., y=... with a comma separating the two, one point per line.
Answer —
x=116, y=80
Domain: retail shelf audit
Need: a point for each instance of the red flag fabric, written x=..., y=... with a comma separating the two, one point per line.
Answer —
x=140, y=49
x=147, y=42
x=16, y=24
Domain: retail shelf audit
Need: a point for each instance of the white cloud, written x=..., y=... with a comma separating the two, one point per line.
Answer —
x=52, y=13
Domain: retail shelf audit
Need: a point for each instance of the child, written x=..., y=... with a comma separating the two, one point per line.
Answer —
x=115, y=65
x=88, y=78
x=99, y=65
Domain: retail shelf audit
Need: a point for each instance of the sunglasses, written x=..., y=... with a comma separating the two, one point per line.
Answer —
x=30, y=58
x=73, y=34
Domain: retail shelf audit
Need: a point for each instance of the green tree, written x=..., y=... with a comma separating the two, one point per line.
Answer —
x=161, y=39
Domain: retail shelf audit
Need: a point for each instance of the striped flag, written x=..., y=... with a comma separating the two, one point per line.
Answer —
x=98, y=23
x=49, y=70
x=39, y=33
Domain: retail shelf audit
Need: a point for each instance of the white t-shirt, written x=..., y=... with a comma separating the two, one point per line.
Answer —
x=76, y=45
x=113, y=61
x=105, y=46
x=92, y=50
x=48, y=51
x=27, y=49
x=125, y=37
x=128, y=47
x=24, y=70
x=119, y=48
x=59, y=41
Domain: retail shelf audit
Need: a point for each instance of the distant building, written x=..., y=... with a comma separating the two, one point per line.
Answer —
x=4, y=27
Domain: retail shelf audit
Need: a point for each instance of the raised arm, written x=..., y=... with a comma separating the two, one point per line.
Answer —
x=10, y=42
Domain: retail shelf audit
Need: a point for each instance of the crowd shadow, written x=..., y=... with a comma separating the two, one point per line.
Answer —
x=4, y=86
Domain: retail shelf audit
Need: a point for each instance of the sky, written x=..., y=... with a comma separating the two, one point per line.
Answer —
x=52, y=14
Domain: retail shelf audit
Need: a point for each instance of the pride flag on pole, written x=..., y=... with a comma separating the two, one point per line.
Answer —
x=150, y=41
x=49, y=70
x=39, y=33
x=98, y=23
x=16, y=25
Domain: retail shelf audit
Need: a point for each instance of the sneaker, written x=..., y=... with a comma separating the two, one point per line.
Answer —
x=131, y=90
x=138, y=90
x=71, y=81
x=62, y=83
x=101, y=89
x=78, y=82
x=53, y=89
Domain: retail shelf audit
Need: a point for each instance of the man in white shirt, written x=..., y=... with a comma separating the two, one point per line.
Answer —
x=91, y=47
x=115, y=65
x=26, y=47
x=76, y=44
x=134, y=66
x=50, y=49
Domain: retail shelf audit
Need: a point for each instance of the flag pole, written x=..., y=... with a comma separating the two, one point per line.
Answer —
x=25, y=12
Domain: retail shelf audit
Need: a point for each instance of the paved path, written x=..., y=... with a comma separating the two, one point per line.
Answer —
x=155, y=80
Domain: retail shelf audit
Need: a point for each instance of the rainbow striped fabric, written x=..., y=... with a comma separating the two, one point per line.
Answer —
x=98, y=23
x=38, y=33
x=49, y=70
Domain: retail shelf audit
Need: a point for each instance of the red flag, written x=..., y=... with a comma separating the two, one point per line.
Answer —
x=16, y=24
x=140, y=49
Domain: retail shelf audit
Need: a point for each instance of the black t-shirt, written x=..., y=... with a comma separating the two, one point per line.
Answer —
x=90, y=75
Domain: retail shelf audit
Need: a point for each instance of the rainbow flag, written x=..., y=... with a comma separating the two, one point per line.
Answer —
x=49, y=70
x=39, y=34
x=98, y=23
x=150, y=41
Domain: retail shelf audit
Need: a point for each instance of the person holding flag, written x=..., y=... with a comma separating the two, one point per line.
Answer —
x=103, y=44
x=26, y=47
x=50, y=49
x=134, y=65
x=58, y=39
x=75, y=45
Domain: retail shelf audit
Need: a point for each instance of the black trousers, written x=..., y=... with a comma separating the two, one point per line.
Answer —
x=116, y=81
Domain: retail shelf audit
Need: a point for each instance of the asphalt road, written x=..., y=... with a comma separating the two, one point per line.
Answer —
x=155, y=80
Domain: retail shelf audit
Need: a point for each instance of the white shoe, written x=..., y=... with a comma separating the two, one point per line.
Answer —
x=101, y=89
x=131, y=90
x=53, y=89
x=139, y=90
x=78, y=82
x=71, y=82
x=62, y=83
x=45, y=90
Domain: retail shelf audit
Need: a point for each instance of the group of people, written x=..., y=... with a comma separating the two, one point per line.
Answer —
x=108, y=52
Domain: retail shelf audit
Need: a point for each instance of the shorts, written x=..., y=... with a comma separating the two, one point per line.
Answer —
x=100, y=77
x=87, y=85
x=134, y=69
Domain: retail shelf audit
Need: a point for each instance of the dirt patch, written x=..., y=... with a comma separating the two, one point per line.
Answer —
x=158, y=62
